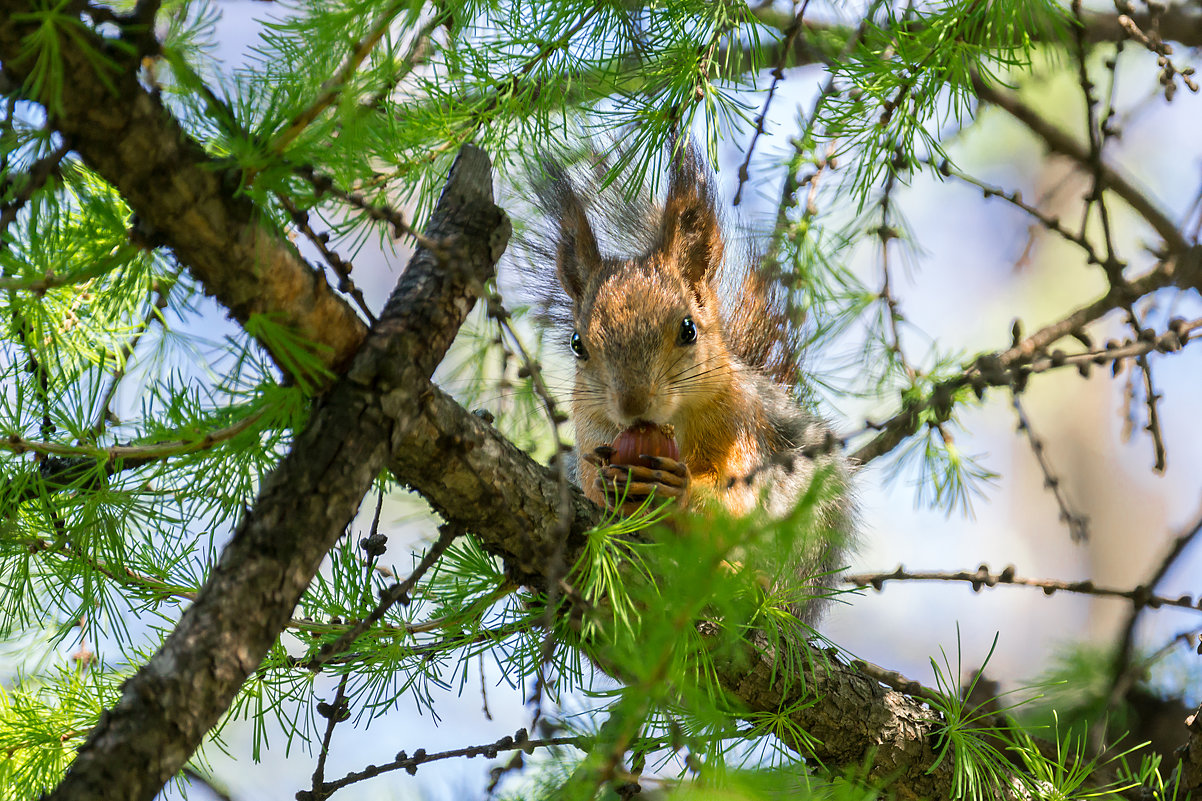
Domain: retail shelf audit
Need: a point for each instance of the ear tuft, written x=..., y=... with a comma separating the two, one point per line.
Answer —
x=690, y=233
x=576, y=256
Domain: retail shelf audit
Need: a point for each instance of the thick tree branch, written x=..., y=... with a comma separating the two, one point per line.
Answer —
x=183, y=197
x=854, y=719
x=302, y=509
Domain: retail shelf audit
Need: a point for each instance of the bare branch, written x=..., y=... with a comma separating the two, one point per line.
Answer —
x=1059, y=142
x=1012, y=366
x=981, y=577
x=410, y=763
x=778, y=75
x=1078, y=524
x=1181, y=543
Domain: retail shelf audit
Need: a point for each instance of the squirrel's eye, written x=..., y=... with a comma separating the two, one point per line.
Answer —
x=578, y=346
x=688, y=331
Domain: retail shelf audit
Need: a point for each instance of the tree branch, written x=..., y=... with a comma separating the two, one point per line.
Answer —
x=1108, y=178
x=184, y=198
x=1014, y=365
x=1140, y=596
x=302, y=509
x=819, y=40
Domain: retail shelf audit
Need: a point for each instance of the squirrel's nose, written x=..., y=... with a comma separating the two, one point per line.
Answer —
x=632, y=404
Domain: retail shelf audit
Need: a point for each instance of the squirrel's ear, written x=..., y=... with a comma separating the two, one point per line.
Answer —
x=690, y=233
x=576, y=255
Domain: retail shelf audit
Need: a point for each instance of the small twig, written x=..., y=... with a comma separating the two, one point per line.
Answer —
x=556, y=566
x=397, y=593
x=1151, y=399
x=1112, y=266
x=792, y=184
x=135, y=455
x=1060, y=142
x=1047, y=221
x=778, y=75
x=1126, y=648
x=1013, y=366
x=341, y=267
x=1156, y=45
x=1078, y=524
x=886, y=233
x=374, y=545
x=1098, y=135
x=982, y=577
x=483, y=690
x=1126, y=679
x=520, y=741
x=334, y=714
x=1180, y=544
x=323, y=184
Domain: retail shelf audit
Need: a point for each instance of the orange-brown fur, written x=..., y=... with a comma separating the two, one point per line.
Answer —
x=628, y=314
x=746, y=441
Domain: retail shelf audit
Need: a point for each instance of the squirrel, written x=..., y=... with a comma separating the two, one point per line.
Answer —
x=679, y=335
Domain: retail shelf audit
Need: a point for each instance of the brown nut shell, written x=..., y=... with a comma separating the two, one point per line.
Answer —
x=648, y=439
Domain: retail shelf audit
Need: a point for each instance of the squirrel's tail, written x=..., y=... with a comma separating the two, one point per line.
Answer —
x=763, y=328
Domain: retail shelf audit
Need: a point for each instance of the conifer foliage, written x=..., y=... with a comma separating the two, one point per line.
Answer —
x=202, y=414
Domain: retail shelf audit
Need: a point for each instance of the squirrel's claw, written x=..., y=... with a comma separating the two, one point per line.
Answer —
x=632, y=496
x=669, y=465
x=647, y=475
x=633, y=484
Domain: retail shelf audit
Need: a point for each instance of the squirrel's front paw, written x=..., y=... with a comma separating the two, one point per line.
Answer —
x=626, y=487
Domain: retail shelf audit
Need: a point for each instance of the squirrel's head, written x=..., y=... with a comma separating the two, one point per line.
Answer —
x=648, y=334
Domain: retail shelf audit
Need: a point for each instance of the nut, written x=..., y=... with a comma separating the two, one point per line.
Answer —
x=645, y=439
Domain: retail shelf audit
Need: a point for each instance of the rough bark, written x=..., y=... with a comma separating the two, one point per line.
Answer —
x=854, y=719
x=476, y=478
x=303, y=507
x=1188, y=773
